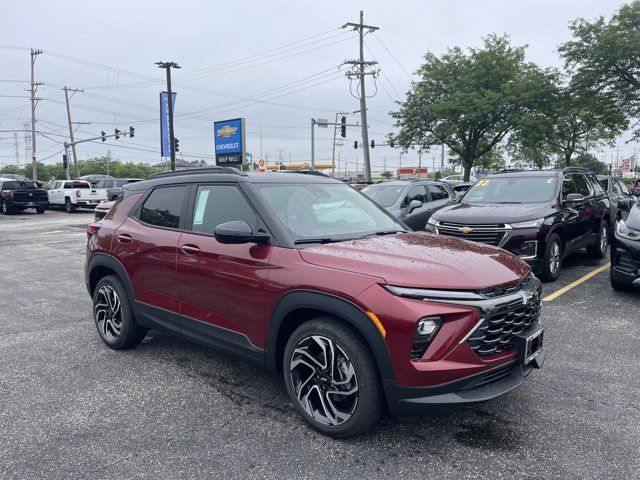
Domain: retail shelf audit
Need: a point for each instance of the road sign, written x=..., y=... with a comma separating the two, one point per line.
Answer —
x=230, y=142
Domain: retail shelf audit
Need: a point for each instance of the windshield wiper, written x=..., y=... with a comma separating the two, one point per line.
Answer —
x=381, y=232
x=301, y=241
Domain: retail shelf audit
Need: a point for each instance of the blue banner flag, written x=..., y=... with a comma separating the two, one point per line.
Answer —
x=165, y=147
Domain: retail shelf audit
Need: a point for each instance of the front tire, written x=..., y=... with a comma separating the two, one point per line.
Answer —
x=6, y=210
x=552, y=261
x=331, y=378
x=40, y=210
x=113, y=315
x=599, y=249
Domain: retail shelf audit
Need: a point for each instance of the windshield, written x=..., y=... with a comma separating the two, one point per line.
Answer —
x=385, y=195
x=18, y=184
x=326, y=212
x=512, y=190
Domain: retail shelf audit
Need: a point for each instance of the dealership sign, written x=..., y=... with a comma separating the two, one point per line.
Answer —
x=230, y=142
x=164, y=122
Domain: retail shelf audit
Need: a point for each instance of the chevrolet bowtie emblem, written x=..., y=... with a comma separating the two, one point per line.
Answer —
x=227, y=131
x=465, y=230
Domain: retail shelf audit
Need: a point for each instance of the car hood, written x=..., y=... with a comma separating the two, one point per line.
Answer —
x=421, y=260
x=491, y=213
x=633, y=220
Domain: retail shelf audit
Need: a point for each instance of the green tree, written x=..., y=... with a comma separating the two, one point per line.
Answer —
x=468, y=100
x=386, y=175
x=567, y=120
x=605, y=56
x=590, y=161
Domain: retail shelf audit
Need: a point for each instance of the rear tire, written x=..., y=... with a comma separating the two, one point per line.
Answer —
x=69, y=207
x=599, y=249
x=113, y=315
x=552, y=262
x=339, y=395
x=40, y=210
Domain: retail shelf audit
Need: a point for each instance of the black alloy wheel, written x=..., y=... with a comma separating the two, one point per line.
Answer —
x=331, y=378
x=552, y=261
x=599, y=249
x=113, y=315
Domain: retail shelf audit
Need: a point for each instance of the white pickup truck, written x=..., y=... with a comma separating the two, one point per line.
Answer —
x=74, y=194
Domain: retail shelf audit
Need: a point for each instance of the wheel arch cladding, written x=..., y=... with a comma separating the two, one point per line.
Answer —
x=102, y=265
x=299, y=306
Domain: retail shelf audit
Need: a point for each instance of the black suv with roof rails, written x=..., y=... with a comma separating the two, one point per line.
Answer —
x=540, y=215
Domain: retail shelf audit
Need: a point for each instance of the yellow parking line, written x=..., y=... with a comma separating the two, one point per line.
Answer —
x=565, y=289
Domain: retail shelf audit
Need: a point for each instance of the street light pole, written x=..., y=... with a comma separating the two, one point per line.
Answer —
x=172, y=147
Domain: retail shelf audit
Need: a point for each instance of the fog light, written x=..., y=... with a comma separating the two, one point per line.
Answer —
x=427, y=326
x=425, y=333
x=528, y=248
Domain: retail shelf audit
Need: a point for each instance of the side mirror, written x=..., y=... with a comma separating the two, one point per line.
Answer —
x=636, y=191
x=414, y=204
x=574, y=198
x=625, y=204
x=238, y=231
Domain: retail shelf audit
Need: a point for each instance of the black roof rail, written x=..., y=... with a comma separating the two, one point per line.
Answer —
x=198, y=170
x=575, y=169
x=511, y=170
x=305, y=171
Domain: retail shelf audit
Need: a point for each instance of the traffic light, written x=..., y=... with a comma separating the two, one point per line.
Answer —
x=65, y=162
x=373, y=144
x=355, y=144
x=118, y=132
x=343, y=127
x=176, y=144
x=104, y=136
x=132, y=131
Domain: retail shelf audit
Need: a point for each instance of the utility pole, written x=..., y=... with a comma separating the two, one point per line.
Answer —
x=73, y=145
x=361, y=72
x=442, y=158
x=34, y=87
x=419, y=163
x=172, y=142
x=15, y=141
x=27, y=142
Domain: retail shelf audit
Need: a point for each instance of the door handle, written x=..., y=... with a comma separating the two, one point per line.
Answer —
x=190, y=249
x=124, y=238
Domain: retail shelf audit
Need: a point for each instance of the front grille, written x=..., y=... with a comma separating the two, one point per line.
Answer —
x=491, y=234
x=626, y=264
x=36, y=196
x=503, y=290
x=501, y=323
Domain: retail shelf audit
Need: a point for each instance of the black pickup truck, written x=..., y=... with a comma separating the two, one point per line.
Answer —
x=16, y=195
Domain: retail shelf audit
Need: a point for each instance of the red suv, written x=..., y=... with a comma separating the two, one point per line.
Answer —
x=310, y=278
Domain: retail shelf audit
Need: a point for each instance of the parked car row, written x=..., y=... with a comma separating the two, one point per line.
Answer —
x=17, y=194
x=540, y=216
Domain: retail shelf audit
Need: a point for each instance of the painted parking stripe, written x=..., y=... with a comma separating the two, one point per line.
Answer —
x=586, y=277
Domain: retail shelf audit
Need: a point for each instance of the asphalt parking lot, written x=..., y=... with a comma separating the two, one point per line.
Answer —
x=71, y=408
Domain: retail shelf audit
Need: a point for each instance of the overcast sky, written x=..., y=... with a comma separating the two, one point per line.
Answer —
x=274, y=63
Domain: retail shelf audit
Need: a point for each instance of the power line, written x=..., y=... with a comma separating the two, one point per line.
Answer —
x=375, y=35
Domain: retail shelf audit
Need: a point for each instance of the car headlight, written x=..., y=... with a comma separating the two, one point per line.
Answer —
x=528, y=224
x=625, y=232
x=432, y=221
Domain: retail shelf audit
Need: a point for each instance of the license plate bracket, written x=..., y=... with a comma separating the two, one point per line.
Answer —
x=530, y=346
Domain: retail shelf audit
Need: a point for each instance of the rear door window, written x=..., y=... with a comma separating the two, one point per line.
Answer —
x=623, y=188
x=164, y=207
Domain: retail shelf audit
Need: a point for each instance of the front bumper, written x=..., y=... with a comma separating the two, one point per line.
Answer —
x=468, y=392
x=32, y=204
x=625, y=261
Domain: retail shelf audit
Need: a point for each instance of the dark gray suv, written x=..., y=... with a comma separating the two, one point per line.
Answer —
x=413, y=202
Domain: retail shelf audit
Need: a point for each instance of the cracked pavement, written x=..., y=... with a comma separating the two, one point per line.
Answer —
x=71, y=408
